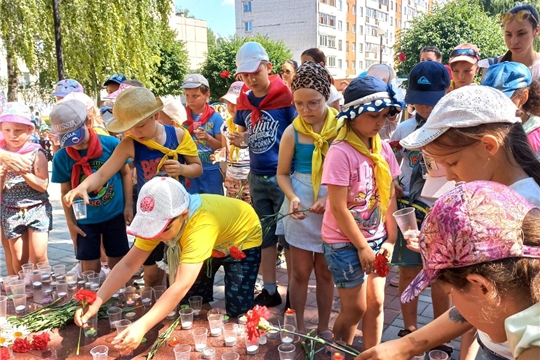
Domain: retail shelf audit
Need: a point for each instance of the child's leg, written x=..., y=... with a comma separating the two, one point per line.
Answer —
x=37, y=245
x=353, y=308
x=7, y=254
x=373, y=321
x=19, y=251
x=88, y=247
x=114, y=240
x=325, y=292
x=469, y=346
x=410, y=309
x=440, y=298
x=299, y=279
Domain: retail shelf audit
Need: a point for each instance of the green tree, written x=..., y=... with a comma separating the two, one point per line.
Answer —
x=446, y=26
x=211, y=39
x=172, y=68
x=222, y=57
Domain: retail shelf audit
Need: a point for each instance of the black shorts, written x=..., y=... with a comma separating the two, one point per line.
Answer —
x=156, y=255
x=115, y=239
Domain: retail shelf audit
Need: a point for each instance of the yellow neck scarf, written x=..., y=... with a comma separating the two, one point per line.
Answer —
x=234, y=152
x=329, y=131
x=187, y=147
x=383, y=177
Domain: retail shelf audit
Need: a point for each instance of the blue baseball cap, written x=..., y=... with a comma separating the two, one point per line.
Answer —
x=507, y=76
x=428, y=82
x=116, y=78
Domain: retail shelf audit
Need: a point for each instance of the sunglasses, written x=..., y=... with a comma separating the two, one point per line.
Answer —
x=519, y=16
x=288, y=72
x=465, y=52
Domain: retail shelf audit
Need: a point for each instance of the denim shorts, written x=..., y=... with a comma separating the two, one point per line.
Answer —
x=484, y=353
x=344, y=263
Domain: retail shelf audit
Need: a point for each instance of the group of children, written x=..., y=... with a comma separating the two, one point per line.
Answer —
x=289, y=151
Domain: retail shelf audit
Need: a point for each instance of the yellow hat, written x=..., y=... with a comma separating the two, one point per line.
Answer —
x=132, y=106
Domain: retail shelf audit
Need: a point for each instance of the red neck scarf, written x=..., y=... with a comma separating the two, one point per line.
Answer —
x=279, y=96
x=189, y=124
x=94, y=151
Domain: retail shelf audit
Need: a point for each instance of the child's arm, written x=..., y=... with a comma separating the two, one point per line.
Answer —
x=40, y=179
x=239, y=138
x=286, y=154
x=14, y=161
x=387, y=248
x=127, y=185
x=192, y=167
x=213, y=141
x=338, y=205
x=70, y=217
x=118, y=159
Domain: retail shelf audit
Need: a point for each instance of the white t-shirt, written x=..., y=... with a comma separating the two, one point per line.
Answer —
x=334, y=95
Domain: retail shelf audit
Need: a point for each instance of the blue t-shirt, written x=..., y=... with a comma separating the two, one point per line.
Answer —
x=146, y=160
x=213, y=128
x=109, y=202
x=264, y=139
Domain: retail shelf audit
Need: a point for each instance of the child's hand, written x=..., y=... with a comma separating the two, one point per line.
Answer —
x=2, y=171
x=201, y=134
x=173, y=168
x=238, y=139
x=74, y=230
x=73, y=194
x=318, y=206
x=413, y=240
x=130, y=338
x=220, y=155
x=387, y=250
x=294, y=207
x=367, y=258
x=128, y=214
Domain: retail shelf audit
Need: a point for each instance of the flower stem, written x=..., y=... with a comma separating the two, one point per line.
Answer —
x=79, y=342
x=347, y=350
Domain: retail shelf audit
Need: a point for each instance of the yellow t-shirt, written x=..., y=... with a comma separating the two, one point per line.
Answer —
x=218, y=224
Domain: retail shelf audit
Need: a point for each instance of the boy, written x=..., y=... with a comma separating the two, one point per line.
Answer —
x=430, y=53
x=82, y=152
x=264, y=110
x=154, y=148
x=204, y=125
x=464, y=64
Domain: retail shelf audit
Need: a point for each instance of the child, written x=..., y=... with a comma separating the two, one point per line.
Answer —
x=173, y=112
x=167, y=214
x=305, y=143
x=481, y=241
x=428, y=82
x=96, y=121
x=474, y=133
x=317, y=56
x=83, y=152
x=464, y=64
x=26, y=210
x=154, y=148
x=358, y=172
x=237, y=159
x=204, y=125
x=515, y=80
x=263, y=113
x=432, y=53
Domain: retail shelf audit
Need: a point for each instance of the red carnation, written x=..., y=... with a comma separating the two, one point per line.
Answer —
x=381, y=265
x=402, y=57
x=236, y=253
x=21, y=345
x=225, y=74
x=253, y=318
x=5, y=353
x=41, y=342
x=85, y=297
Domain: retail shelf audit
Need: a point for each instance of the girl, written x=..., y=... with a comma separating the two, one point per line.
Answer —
x=288, y=70
x=27, y=212
x=358, y=172
x=154, y=148
x=306, y=143
x=487, y=143
x=317, y=56
x=514, y=79
x=521, y=27
x=482, y=241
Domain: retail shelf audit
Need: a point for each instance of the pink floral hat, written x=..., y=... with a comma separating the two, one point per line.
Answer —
x=474, y=223
x=15, y=112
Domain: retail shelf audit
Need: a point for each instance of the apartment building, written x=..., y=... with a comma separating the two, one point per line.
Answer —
x=354, y=34
x=194, y=33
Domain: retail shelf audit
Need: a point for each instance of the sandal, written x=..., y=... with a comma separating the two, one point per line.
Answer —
x=403, y=332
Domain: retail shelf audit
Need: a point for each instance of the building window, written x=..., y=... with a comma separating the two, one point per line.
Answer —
x=347, y=27
x=360, y=65
x=347, y=7
x=331, y=61
x=360, y=48
x=347, y=64
x=340, y=25
x=353, y=65
x=391, y=5
x=340, y=63
x=340, y=4
x=340, y=45
x=323, y=40
x=354, y=9
x=247, y=6
x=353, y=47
x=361, y=11
x=346, y=46
x=329, y=2
x=329, y=20
x=361, y=29
x=248, y=26
x=331, y=42
x=354, y=29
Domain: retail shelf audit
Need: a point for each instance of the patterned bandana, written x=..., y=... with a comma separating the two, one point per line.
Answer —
x=375, y=102
x=312, y=76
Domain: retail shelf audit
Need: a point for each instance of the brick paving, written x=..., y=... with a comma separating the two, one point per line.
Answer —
x=60, y=251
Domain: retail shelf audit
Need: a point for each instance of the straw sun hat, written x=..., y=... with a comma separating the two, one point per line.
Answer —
x=132, y=106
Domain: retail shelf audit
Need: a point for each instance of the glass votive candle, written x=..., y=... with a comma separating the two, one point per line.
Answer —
x=19, y=302
x=216, y=324
x=286, y=351
x=115, y=314
x=18, y=287
x=272, y=334
x=200, y=335
x=146, y=296
x=59, y=271
x=29, y=267
x=209, y=353
x=195, y=302
x=186, y=318
x=438, y=355
x=252, y=348
x=129, y=295
x=100, y=352
x=71, y=278
x=42, y=264
x=230, y=356
x=286, y=336
x=61, y=288
x=86, y=273
x=131, y=315
x=93, y=279
x=172, y=315
x=45, y=274
x=158, y=291
x=7, y=283
x=182, y=352
x=419, y=357
x=121, y=325
x=230, y=333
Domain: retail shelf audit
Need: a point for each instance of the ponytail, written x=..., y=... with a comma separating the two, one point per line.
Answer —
x=532, y=106
x=517, y=144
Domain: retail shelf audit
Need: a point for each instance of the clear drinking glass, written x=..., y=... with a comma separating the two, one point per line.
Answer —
x=252, y=348
x=182, y=352
x=100, y=352
x=61, y=288
x=71, y=278
x=195, y=302
x=438, y=355
x=286, y=351
x=230, y=333
x=200, y=335
x=146, y=296
x=79, y=209
x=186, y=317
x=406, y=220
x=115, y=314
x=59, y=271
x=18, y=287
x=3, y=305
x=287, y=337
x=230, y=356
x=19, y=302
x=158, y=291
x=216, y=324
x=121, y=325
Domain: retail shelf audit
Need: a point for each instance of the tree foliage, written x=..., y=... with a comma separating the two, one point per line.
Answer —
x=222, y=57
x=447, y=26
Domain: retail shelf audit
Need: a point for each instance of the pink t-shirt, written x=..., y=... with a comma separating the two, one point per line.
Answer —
x=344, y=166
x=534, y=140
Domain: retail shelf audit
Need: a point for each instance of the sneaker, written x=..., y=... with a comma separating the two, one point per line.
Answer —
x=265, y=299
x=394, y=281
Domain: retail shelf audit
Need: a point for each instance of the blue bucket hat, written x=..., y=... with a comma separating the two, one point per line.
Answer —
x=507, y=76
x=368, y=94
x=428, y=82
x=116, y=78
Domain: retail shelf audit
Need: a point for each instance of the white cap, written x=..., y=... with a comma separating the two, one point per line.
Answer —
x=82, y=97
x=436, y=184
x=174, y=109
x=465, y=107
x=249, y=57
x=160, y=200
